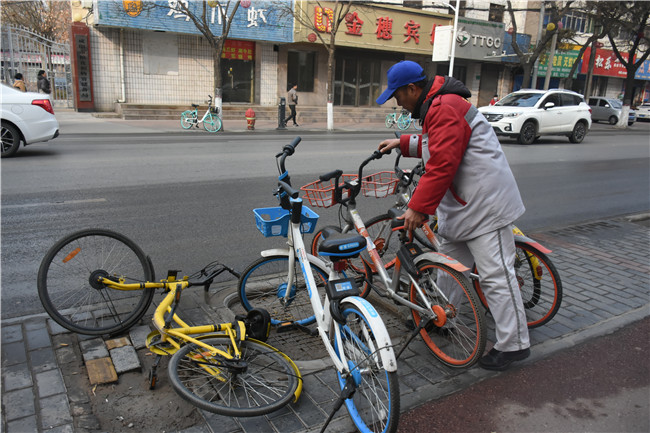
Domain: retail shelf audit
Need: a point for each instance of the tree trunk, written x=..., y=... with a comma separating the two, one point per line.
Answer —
x=218, y=101
x=627, y=99
x=526, y=81
x=330, y=85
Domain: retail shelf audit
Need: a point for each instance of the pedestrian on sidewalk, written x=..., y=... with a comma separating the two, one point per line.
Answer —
x=292, y=96
x=469, y=183
x=494, y=99
x=42, y=83
x=20, y=82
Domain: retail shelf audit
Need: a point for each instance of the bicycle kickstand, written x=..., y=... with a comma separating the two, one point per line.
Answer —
x=347, y=392
x=153, y=373
x=423, y=324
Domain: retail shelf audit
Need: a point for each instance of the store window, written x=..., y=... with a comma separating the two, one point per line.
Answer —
x=357, y=81
x=301, y=70
x=237, y=71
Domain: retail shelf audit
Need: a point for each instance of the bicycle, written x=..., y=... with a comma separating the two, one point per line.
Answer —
x=443, y=304
x=98, y=282
x=538, y=279
x=299, y=289
x=211, y=120
x=403, y=121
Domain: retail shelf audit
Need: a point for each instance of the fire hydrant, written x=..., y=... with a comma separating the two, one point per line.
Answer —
x=250, y=118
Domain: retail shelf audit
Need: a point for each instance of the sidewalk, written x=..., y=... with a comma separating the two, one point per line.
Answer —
x=72, y=122
x=604, y=266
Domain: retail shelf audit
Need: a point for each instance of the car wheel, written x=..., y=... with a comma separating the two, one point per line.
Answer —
x=630, y=123
x=528, y=133
x=578, y=134
x=10, y=140
x=613, y=120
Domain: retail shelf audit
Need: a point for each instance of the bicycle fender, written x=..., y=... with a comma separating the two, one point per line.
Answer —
x=528, y=241
x=284, y=252
x=436, y=257
x=379, y=330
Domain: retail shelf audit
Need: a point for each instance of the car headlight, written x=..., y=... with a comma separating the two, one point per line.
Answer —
x=513, y=114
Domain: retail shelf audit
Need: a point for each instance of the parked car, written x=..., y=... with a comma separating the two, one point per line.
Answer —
x=528, y=114
x=27, y=117
x=609, y=110
x=643, y=112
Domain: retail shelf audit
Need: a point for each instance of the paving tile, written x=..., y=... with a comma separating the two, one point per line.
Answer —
x=23, y=425
x=101, y=371
x=18, y=404
x=13, y=353
x=16, y=377
x=12, y=333
x=55, y=328
x=55, y=412
x=50, y=383
x=117, y=342
x=43, y=359
x=38, y=337
x=93, y=349
x=288, y=423
x=125, y=359
x=138, y=335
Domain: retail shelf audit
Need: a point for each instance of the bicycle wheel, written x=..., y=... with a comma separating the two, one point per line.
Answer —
x=374, y=407
x=264, y=285
x=416, y=124
x=390, y=120
x=539, y=282
x=70, y=295
x=458, y=340
x=188, y=118
x=261, y=382
x=212, y=123
x=355, y=268
x=403, y=122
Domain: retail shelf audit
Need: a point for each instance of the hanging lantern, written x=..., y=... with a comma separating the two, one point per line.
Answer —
x=213, y=3
x=550, y=27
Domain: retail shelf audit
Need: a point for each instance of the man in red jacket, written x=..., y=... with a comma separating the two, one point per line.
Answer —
x=469, y=184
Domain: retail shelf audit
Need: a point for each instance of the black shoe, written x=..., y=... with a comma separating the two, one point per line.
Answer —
x=497, y=360
x=295, y=124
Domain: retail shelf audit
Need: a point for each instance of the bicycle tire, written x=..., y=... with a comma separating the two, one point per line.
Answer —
x=416, y=124
x=539, y=282
x=403, y=122
x=212, y=123
x=356, y=268
x=374, y=407
x=64, y=282
x=390, y=120
x=267, y=383
x=263, y=285
x=460, y=341
x=188, y=119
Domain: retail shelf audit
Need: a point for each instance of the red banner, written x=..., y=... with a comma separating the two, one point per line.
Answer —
x=238, y=50
x=606, y=63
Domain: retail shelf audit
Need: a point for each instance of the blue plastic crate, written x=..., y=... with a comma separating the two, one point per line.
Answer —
x=274, y=221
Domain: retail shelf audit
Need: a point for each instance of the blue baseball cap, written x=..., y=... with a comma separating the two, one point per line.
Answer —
x=401, y=74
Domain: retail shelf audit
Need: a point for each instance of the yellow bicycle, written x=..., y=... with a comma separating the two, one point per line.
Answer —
x=99, y=282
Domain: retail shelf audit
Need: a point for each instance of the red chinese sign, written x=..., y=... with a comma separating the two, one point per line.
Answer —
x=606, y=63
x=354, y=23
x=384, y=28
x=238, y=50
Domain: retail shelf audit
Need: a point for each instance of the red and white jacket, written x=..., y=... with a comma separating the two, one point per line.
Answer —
x=467, y=177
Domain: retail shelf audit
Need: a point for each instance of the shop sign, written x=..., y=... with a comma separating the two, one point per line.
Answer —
x=265, y=20
x=508, y=53
x=479, y=40
x=377, y=27
x=562, y=63
x=607, y=64
x=238, y=50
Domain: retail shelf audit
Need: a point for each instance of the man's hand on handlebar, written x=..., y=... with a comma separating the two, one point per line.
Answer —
x=387, y=145
x=413, y=219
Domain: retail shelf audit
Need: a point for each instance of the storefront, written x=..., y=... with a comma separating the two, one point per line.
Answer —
x=165, y=59
x=370, y=40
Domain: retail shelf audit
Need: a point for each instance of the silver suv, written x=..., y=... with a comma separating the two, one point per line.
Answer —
x=528, y=113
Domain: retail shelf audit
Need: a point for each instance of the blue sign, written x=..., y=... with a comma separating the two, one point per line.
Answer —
x=263, y=20
x=643, y=73
x=522, y=40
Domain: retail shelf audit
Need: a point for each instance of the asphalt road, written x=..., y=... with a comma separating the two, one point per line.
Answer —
x=188, y=199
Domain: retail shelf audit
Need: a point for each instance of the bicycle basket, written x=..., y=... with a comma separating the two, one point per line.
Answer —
x=321, y=193
x=274, y=221
x=380, y=184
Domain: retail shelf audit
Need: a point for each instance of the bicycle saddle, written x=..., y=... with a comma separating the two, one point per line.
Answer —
x=344, y=245
x=195, y=106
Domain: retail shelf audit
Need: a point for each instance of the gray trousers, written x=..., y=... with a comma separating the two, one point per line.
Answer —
x=494, y=255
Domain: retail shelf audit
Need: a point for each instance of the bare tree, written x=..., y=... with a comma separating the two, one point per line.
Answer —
x=527, y=59
x=331, y=23
x=629, y=37
x=49, y=18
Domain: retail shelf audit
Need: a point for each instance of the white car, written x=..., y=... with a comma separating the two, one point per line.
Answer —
x=643, y=112
x=27, y=117
x=528, y=113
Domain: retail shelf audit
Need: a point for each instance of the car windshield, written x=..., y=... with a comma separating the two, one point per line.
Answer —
x=520, y=100
x=615, y=103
